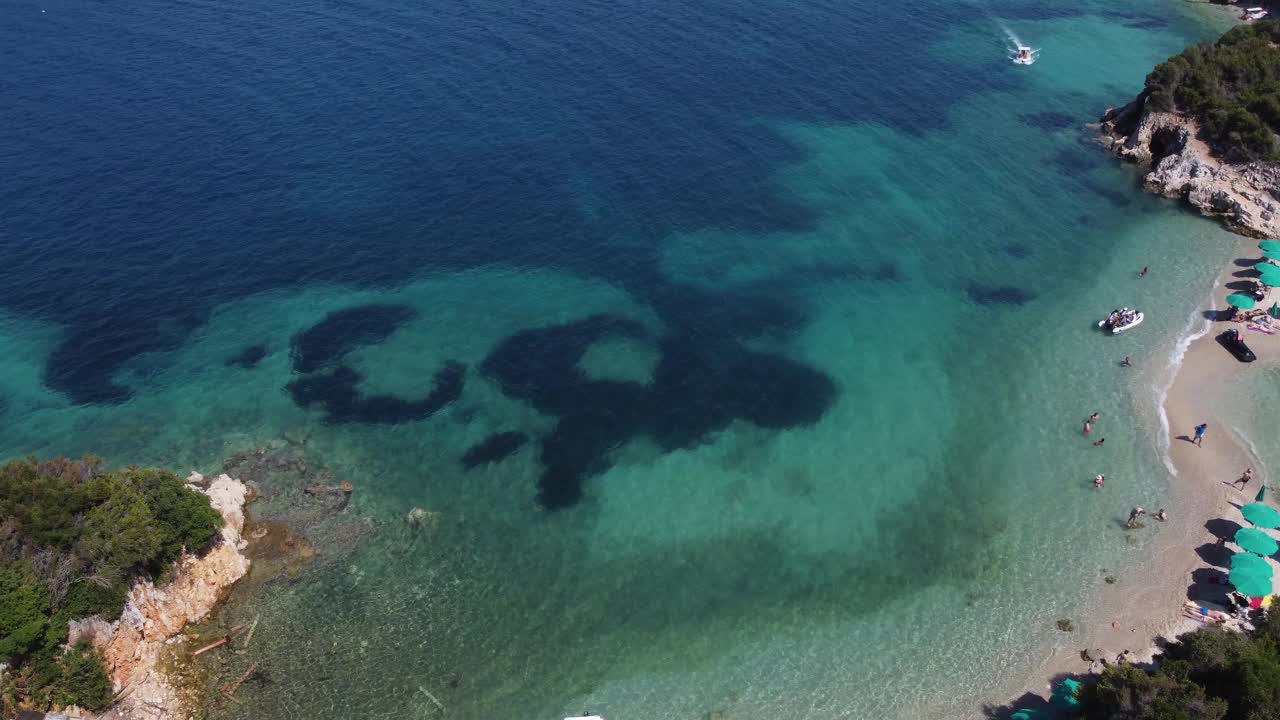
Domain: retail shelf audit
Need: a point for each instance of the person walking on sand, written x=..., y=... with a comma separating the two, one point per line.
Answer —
x=1126, y=362
x=1100, y=442
x=1200, y=430
x=1245, y=478
x=1134, y=514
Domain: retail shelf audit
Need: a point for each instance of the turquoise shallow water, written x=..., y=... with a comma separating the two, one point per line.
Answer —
x=932, y=242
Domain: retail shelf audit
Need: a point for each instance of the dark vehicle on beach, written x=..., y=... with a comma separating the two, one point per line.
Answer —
x=1233, y=341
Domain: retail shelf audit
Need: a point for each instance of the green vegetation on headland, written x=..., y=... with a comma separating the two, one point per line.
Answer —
x=1231, y=87
x=72, y=536
x=1209, y=674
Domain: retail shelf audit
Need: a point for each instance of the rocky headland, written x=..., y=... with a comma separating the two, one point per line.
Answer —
x=154, y=617
x=1244, y=196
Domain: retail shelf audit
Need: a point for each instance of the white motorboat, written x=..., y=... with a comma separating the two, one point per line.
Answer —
x=1255, y=13
x=1120, y=320
x=1024, y=55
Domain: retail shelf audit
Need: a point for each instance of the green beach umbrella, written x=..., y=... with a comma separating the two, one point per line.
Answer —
x=1264, y=516
x=1067, y=692
x=1028, y=714
x=1267, y=268
x=1272, y=254
x=1275, y=313
x=1262, y=494
x=1244, y=302
x=1250, y=564
x=1251, y=584
x=1256, y=541
x=1269, y=245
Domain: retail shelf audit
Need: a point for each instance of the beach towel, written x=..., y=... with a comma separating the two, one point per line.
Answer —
x=1259, y=328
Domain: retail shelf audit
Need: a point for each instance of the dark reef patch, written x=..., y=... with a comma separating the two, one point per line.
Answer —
x=494, y=448
x=337, y=392
x=342, y=331
x=701, y=384
x=999, y=294
x=247, y=358
x=1016, y=250
x=1049, y=120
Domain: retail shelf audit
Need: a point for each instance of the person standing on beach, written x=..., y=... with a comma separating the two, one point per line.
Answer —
x=1200, y=430
x=1245, y=478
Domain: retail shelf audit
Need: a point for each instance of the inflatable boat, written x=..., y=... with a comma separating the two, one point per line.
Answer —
x=1120, y=320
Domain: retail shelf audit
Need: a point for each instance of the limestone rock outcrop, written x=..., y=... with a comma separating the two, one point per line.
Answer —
x=1246, y=197
x=154, y=616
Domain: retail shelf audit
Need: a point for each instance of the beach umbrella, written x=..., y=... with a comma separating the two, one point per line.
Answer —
x=1244, y=302
x=1253, y=585
x=1028, y=714
x=1256, y=541
x=1264, y=516
x=1272, y=254
x=1262, y=494
x=1067, y=693
x=1269, y=245
x=1275, y=310
x=1250, y=564
x=1266, y=268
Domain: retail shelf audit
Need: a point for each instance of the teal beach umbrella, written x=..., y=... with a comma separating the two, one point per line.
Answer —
x=1269, y=245
x=1244, y=302
x=1251, y=585
x=1272, y=254
x=1264, y=516
x=1262, y=494
x=1028, y=714
x=1275, y=313
x=1250, y=564
x=1256, y=541
x=1266, y=268
x=1067, y=693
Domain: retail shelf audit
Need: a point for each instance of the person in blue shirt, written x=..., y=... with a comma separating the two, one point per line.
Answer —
x=1199, y=441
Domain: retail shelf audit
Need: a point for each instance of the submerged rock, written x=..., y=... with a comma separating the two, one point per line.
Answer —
x=497, y=446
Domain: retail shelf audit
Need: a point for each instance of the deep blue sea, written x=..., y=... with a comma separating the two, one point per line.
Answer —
x=740, y=347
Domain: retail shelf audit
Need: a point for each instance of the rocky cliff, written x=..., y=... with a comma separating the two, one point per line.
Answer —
x=1246, y=197
x=154, y=616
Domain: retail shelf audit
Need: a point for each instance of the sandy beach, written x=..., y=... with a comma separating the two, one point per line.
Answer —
x=1144, y=606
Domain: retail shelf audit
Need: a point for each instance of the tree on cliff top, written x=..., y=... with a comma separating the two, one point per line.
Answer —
x=1232, y=87
x=71, y=537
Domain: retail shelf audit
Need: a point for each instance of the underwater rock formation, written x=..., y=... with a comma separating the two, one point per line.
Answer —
x=700, y=385
x=497, y=446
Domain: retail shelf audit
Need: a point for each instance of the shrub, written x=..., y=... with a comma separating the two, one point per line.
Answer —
x=1232, y=87
x=24, y=608
x=71, y=536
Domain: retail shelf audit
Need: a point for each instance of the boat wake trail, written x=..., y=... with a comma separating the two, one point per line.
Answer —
x=1019, y=52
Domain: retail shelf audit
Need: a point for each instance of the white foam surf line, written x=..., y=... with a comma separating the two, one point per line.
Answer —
x=1197, y=327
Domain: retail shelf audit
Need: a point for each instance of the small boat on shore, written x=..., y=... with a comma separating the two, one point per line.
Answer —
x=1254, y=13
x=1120, y=320
x=1234, y=342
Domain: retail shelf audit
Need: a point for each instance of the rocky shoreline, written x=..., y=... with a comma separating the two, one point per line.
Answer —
x=154, y=618
x=1245, y=197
